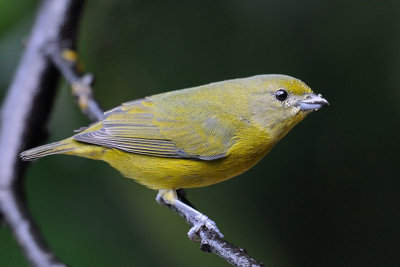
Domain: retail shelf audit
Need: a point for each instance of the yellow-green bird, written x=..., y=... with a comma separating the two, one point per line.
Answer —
x=193, y=137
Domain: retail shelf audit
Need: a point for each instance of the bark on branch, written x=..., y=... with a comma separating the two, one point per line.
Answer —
x=26, y=107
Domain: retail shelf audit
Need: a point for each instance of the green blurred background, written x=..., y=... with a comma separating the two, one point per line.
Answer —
x=326, y=195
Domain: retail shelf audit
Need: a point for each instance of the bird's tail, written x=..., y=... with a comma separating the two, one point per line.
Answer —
x=49, y=149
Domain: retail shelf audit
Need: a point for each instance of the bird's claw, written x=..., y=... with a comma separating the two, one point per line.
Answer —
x=203, y=221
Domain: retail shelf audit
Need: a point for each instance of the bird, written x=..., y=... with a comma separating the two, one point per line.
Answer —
x=193, y=137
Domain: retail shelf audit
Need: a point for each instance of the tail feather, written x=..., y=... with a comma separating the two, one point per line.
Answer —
x=45, y=150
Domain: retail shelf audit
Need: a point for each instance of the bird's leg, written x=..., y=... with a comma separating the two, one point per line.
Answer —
x=181, y=194
x=195, y=218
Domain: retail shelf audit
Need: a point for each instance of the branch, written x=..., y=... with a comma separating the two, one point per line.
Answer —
x=26, y=107
x=211, y=241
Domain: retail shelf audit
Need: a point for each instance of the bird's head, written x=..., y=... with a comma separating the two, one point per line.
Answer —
x=279, y=102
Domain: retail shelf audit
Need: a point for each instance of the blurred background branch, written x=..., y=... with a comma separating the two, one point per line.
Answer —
x=24, y=115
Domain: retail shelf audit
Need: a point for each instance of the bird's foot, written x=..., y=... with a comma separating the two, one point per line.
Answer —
x=194, y=217
x=203, y=221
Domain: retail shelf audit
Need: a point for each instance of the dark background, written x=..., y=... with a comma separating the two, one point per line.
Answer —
x=326, y=195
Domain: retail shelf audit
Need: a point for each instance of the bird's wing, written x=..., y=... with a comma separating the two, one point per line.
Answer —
x=141, y=127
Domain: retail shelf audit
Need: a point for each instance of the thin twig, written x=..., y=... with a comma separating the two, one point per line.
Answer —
x=66, y=60
x=24, y=114
x=212, y=242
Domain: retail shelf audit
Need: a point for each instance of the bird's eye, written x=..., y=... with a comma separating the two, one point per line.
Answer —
x=281, y=95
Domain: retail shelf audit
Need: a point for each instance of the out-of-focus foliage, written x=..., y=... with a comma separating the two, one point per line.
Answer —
x=326, y=195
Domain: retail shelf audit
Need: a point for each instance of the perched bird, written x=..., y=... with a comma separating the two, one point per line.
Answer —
x=193, y=137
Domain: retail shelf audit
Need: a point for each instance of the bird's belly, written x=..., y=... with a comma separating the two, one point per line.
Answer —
x=171, y=173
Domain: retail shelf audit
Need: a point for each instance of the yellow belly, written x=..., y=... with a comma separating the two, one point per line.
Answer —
x=167, y=173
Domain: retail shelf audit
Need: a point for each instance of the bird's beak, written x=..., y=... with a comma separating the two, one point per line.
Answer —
x=312, y=102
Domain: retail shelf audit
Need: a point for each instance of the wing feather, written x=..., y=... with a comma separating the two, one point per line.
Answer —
x=142, y=128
